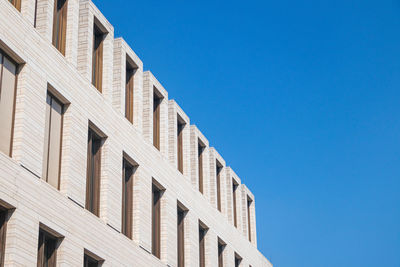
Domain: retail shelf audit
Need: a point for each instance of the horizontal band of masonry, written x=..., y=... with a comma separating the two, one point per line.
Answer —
x=98, y=167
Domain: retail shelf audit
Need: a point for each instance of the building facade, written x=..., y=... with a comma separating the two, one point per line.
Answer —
x=98, y=167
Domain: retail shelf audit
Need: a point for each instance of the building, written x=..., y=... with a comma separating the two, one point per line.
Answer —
x=97, y=165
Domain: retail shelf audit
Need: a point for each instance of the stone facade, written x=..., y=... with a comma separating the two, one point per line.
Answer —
x=36, y=203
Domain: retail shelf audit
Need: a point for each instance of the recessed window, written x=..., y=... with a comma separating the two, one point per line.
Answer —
x=181, y=125
x=95, y=142
x=249, y=202
x=156, y=221
x=129, y=86
x=238, y=260
x=91, y=260
x=60, y=24
x=8, y=82
x=221, y=248
x=97, y=56
x=157, y=99
x=16, y=3
x=181, y=236
x=201, y=148
x=202, y=245
x=53, y=140
x=234, y=200
x=47, y=249
x=219, y=171
x=128, y=171
x=5, y=212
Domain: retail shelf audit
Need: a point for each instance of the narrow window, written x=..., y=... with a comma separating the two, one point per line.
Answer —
x=36, y=10
x=201, y=148
x=3, y=230
x=130, y=73
x=218, y=170
x=181, y=126
x=16, y=3
x=238, y=260
x=47, y=249
x=53, y=141
x=221, y=247
x=181, y=237
x=97, y=57
x=91, y=260
x=234, y=187
x=249, y=201
x=93, y=172
x=60, y=24
x=156, y=221
x=8, y=82
x=202, y=246
x=156, y=120
x=128, y=170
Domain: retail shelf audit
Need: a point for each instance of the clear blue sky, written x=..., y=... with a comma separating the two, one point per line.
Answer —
x=301, y=98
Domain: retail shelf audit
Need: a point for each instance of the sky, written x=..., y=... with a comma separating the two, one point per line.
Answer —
x=301, y=99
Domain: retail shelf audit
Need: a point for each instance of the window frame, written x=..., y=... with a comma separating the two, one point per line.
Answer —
x=99, y=36
x=60, y=18
x=3, y=55
x=93, y=172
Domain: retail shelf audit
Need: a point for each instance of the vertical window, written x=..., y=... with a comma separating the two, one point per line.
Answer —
x=128, y=170
x=16, y=3
x=3, y=230
x=181, y=237
x=181, y=126
x=234, y=187
x=221, y=247
x=249, y=201
x=36, y=10
x=202, y=246
x=218, y=170
x=8, y=81
x=201, y=148
x=47, y=249
x=156, y=120
x=91, y=260
x=53, y=141
x=130, y=72
x=60, y=24
x=97, y=57
x=93, y=172
x=238, y=260
x=156, y=221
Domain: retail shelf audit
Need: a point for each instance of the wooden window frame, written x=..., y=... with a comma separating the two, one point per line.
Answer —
x=93, y=177
x=156, y=220
x=202, y=244
x=95, y=260
x=48, y=240
x=99, y=36
x=200, y=149
x=6, y=211
x=16, y=4
x=64, y=107
x=218, y=170
x=157, y=100
x=129, y=90
x=235, y=186
x=17, y=70
x=60, y=16
x=181, y=213
x=221, y=248
x=128, y=167
x=180, y=128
